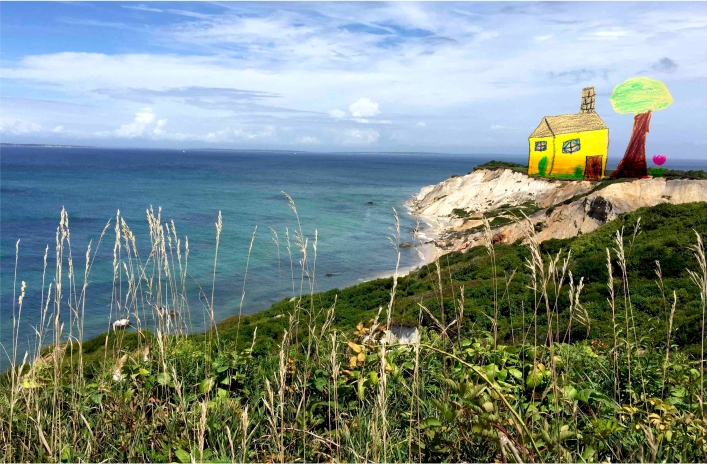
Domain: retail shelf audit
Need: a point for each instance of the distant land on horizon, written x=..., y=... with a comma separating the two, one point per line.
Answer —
x=43, y=145
x=249, y=150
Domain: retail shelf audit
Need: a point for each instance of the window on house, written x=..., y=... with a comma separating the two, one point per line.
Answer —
x=571, y=146
x=540, y=146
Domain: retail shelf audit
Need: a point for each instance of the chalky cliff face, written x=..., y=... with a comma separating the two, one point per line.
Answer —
x=555, y=209
x=487, y=190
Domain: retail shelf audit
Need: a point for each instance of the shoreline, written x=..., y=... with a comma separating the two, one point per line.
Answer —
x=423, y=244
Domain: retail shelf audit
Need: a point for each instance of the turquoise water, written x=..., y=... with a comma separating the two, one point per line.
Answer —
x=332, y=194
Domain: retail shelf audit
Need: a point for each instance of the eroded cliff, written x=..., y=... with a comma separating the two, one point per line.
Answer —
x=555, y=208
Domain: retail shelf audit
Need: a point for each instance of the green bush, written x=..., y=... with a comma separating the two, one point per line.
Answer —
x=460, y=213
x=494, y=164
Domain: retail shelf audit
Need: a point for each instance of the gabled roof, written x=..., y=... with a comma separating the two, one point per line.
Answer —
x=568, y=123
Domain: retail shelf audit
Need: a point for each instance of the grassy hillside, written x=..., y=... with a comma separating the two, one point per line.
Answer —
x=665, y=234
x=526, y=352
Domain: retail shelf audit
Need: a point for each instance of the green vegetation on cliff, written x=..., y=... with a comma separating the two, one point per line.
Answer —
x=494, y=164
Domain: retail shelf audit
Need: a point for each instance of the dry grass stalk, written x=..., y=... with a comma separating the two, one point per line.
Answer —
x=612, y=304
x=245, y=421
x=621, y=256
x=245, y=277
x=219, y=227
x=488, y=243
x=667, y=347
x=335, y=368
x=576, y=310
x=699, y=278
x=229, y=435
x=14, y=374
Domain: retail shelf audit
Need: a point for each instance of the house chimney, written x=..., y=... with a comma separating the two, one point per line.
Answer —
x=587, y=100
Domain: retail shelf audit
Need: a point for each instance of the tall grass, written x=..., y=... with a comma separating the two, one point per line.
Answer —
x=158, y=392
x=700, y=279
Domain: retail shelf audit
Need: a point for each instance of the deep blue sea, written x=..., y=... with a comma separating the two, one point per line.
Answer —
x=331, y=191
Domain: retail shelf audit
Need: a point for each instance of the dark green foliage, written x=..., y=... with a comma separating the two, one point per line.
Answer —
x=460, y=213
x=494, y=164
x=680, y=174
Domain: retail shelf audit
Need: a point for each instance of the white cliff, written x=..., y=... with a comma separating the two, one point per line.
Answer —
x=566, y=208
x=486, y=190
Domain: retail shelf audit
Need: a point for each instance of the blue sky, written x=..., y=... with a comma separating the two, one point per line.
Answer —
x=440, y=77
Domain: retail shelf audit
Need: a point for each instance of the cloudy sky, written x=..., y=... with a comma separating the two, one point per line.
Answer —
x=439, y=77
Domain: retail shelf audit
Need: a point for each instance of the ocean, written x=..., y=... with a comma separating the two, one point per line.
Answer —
x=348, y=199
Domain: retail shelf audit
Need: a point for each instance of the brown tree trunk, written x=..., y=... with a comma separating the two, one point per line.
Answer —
x=633, y=164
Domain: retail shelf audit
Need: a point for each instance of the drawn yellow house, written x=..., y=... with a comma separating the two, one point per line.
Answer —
x=571, y=146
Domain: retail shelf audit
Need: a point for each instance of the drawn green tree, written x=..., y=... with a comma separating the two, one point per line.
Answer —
x=640, y=96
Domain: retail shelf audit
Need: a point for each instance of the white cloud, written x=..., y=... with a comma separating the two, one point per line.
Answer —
x=58, y=129
x=362, y=136
x=142, y=122
x=308, y=140
x=543, y=38
x=143, y=8
x=449, y=77
x=239, y=134
x=363, y=108
x=18, y=126
x=145, y=124
x=371, y=121
x=421, y=124
x=337, y=114
x=262, y=132
x=159, y=127
x=610, y=34
x=222, y=135
x=488, y=35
